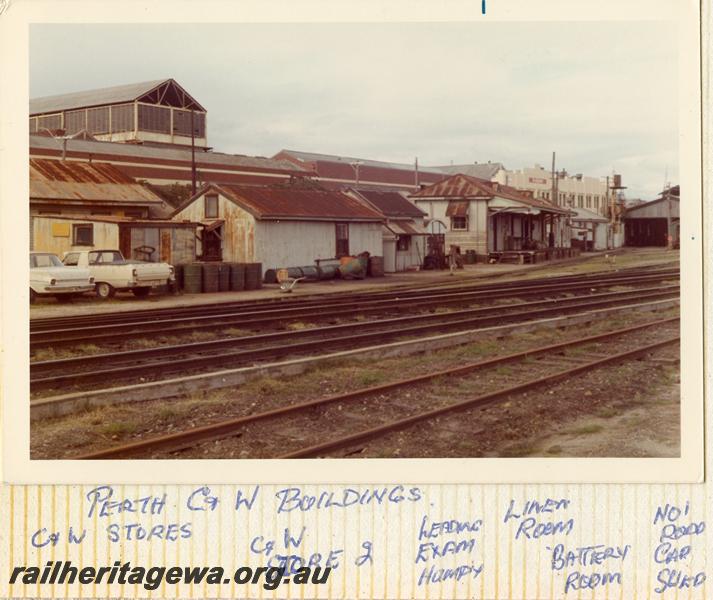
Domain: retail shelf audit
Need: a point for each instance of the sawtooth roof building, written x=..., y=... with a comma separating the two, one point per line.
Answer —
x=159, y=112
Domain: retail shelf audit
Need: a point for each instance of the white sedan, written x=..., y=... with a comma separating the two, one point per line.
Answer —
x=49, y=277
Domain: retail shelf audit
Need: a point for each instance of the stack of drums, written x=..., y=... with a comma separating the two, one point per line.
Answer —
x=224, y=277
x=237, y=277
x=253, y=276
x=376, y=266
x=193, y=278
x=211, y=277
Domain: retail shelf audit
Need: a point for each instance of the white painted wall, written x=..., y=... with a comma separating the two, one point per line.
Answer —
x=475, y=238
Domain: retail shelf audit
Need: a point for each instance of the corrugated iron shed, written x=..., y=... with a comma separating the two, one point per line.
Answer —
x=294, y=202
x=101, y=97
x=92, y=182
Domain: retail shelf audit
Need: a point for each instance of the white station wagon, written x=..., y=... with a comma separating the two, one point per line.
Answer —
x=49, y=277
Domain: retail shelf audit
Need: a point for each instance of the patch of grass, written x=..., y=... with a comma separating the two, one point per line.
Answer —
x=370, y=377
x=298, y=326
x=266, y=386
x=556, y=449
x=607, y=412
x=59, y=353
x=587, y=429
x=119, y=428
x=167, y=412
x=235, y=332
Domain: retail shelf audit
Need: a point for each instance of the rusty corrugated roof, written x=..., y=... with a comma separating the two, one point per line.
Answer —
x=297, y=202
x=465, y=186
x=457, y=208
x=391, y=204
x=95, y=182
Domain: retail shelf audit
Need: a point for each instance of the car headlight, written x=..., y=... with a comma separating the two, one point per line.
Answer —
x=53, y=281
x=134, y=272
x=91, y=280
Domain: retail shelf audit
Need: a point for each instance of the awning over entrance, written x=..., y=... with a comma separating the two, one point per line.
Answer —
x=457, y=208
x=405, y=228
x=213, y=225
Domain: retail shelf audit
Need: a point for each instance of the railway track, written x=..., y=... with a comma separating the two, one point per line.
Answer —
x=83, y=372
x=370, y=413
x=271, y=314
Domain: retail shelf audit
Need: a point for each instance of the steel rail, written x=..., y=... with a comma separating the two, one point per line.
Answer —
x=42, y=324
x=132, y=356
x=189, y=438
x=113, y=332
x=441, y=324
x=478, y=401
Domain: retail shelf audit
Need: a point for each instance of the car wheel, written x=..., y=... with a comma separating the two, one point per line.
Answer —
x=104, y=290
x=33, y=296
x=64, y=298
x=141, y=292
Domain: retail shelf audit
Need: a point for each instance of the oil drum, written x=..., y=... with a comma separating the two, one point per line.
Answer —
x=237, y=277
x=193, y=278
x=253, y=276
x=211, y=277
x=376, y=266
x=224, y=277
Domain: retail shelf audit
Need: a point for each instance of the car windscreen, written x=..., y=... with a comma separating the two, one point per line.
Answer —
x=44, y=260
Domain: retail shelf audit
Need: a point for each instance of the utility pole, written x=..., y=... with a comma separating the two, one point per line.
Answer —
x=616, y=190
x=610, y=232
x=669, y=236
x=193, y=156
x=416, y=172
x=554, y=182
x=355, y=165
x=555, y=200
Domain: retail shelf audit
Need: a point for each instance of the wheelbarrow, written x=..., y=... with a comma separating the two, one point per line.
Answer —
x=287, y=283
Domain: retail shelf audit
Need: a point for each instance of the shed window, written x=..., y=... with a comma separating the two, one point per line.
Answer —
x=154, y=118
x=403, y=242
x=83, y=235
x=211, y=207
x=342, y=231
x=98, y=120
x=182, y=123
x=459, y=223
x=50, y=122
x=74, y=121
x=122, y=117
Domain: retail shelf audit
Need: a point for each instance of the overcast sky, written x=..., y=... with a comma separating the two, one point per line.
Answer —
x=602, y=95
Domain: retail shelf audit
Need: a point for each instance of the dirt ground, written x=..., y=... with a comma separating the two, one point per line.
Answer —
x=651, y=429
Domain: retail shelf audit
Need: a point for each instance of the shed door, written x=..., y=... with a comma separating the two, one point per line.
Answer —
x=125, y=241
x=389, y=256
x=166, y=245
